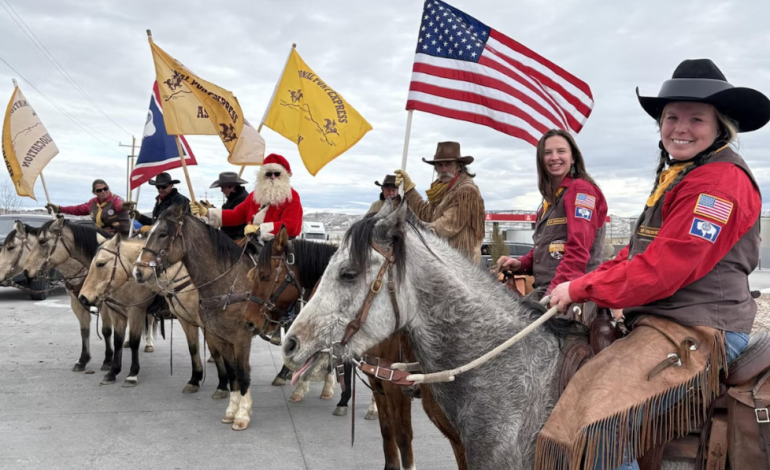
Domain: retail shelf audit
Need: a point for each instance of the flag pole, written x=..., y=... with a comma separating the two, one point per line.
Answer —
x=272, y=98
x=45, y=188
x=131, y=227
x=406, y=145
x=184, y=167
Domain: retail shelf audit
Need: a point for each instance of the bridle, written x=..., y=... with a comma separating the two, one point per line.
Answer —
x=268, y=305
x=115, y=262
x=157, y=263
x=59, y=238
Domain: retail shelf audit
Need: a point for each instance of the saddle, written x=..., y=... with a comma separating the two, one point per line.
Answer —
x=737, y=427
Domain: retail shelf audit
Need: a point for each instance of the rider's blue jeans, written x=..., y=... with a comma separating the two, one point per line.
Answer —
x=735, y=344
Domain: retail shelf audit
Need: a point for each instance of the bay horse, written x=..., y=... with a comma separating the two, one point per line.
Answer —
x=110, y=271
x=13, y=256
x=452, y=312
x=219, y=268
x=60, y=241
x=306, y=261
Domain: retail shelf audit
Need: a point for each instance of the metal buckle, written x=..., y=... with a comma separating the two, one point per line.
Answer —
x=377, y=283
x=152, y=264
x=377, y=374
x=269, y=305
x=678, y=359
x=290, y=259
x=766, y=419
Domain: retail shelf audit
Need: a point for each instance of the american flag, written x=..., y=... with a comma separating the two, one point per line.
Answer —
x=714, y=207
x=585, y=200
x=465, y=70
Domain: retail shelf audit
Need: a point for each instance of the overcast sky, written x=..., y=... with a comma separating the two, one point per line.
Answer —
x=365, y=50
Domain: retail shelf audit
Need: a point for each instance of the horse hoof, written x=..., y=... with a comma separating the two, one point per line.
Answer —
x=106, y=367
x=190, y=388
x=277, y=382
x=211, y=359
x=240, y=424
x=371, y=415
x=127, y=344
x=340, y=411
x=108, y=380
x=130, y=382
x=79, y=367
x=326, y=396
x=149, y=349
x=228, y=419
x=220, y=394
x=295, y=397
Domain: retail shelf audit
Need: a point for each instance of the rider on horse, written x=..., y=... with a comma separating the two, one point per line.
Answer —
x=455, y=208
x=232, y=187
x=682, y=280
x=168, y=196
x=272, y=204
x=389, y=192
x=109, y=211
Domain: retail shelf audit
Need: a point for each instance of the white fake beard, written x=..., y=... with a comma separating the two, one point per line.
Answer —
x=272, y=192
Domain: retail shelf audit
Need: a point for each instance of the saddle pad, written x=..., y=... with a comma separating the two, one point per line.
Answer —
x=611, y=411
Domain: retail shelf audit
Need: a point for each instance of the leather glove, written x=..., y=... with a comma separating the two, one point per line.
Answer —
x=198, y=209
x=52, y=208
x=145, y=228
x=129, y=206
x=403, y=177
x=251, y=230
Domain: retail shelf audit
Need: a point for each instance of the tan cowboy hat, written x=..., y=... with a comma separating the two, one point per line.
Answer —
x=448, y=152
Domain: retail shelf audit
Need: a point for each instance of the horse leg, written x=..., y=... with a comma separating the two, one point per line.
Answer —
x=117, y=359
x=107, y=335
x=235, y=394
x=191, y=332
x=402, y=422
x=282, y=377
x=243, y=373
x=437, y=416
x=84, y=319
x=327, y=393
x=372, y=412
x=135, y=324
x=389, y=444
x=342, y=406
x=299, y=391
x=214, y=347
x=149, y=345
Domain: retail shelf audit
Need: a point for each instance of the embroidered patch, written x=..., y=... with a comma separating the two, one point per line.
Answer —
x=558, y=221
x=585, y=200
x=646, y=231
x=110, y=212
x=713, y=207
x=556, y=249
x=705, y=229
x=583, y=213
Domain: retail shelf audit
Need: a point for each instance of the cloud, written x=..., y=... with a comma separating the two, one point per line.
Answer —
x=366, y=52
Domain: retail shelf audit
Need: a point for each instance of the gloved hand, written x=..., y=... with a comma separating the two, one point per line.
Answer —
x=128, y=206
x=403, y=177
x=251, y=230
x=198, y=209
x=52, y=208
x=145, y=228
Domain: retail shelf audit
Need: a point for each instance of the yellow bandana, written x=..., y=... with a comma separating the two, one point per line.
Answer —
x=545, y=203
x=668, y=176
x=99, y=213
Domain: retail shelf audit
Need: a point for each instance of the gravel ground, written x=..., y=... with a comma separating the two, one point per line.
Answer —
x=762, y=322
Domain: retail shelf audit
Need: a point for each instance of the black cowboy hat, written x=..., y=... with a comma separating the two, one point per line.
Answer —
x=448, y=152
x=701, y=81
x=227, y=178
x=388, y=182
x=163, y=179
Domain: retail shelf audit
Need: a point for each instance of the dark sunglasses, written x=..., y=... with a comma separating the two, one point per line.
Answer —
x=271, y=173
x=101, y=189
x=162, y=186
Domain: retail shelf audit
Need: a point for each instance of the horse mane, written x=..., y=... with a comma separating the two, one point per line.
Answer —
x=312, y=258
x=34, y=231
x=224, y=246
x=83, y=235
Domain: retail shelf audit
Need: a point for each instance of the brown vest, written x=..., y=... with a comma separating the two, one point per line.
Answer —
x=720, y=299
x=117, y=221
x=550, y=237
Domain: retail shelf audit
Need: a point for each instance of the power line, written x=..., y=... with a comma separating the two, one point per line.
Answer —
x=62, y=110
x=47, y=54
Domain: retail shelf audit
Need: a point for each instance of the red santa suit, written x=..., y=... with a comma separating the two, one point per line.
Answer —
x=269, y=215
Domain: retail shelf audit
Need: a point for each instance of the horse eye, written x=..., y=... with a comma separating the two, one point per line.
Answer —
x=264, y=277
x=43, y=241
x=100, y=265
x=10, y=248
x=163, y=235
x=347, y=275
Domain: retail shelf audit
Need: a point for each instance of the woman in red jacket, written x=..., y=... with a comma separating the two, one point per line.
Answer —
x=569, y=234
x=108, y=211
x=697, y=239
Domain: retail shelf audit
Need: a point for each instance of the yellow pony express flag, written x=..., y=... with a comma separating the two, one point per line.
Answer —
x=307, y=111
x=193, y=106
x=27, y=145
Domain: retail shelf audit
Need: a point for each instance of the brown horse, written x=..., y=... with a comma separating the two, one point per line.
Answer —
x=219, y=270
x=281, y=259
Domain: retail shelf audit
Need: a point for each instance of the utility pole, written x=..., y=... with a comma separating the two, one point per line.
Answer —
x=129, y=165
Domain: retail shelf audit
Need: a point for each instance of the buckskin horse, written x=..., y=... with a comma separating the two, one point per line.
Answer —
x=60, y=241
x=451, y=311
x=280, y=263
x=110, y=271
x=218, y=268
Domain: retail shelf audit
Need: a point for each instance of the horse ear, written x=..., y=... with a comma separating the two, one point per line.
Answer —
x=19, y=227
x=180, y=210
x=281, y=241
x=57, y=224
x=118, y=238
x=394, y=224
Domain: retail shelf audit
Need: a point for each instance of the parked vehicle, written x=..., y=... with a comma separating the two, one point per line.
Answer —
x=313, y=231
x=515, y=250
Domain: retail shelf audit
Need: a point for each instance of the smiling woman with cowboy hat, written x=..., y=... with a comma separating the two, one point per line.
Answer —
x=455, y=208
x=109, y=211
x=684, y=272
x=168, y=196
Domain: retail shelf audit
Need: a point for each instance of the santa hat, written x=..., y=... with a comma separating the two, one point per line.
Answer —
x=274, y=160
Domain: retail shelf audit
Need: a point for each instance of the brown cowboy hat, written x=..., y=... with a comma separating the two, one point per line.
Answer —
x=388, y=182
x=227, y=178
x=448, y=152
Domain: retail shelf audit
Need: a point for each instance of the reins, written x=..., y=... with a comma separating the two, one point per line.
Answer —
x=268, y=305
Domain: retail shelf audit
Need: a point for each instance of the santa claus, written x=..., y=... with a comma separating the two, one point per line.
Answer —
x=273, y=203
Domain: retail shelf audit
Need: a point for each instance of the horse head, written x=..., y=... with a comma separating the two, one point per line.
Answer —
x=108, y=271
x=14, y=252
x=359, y=278
x=164, y=245
x=50, y=249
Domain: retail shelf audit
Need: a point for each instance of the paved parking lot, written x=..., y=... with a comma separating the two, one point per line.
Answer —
x=51, y=417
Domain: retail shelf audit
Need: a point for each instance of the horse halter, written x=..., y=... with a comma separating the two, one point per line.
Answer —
x=157, y=263
x=268, y=306
x=115, y=262
x=59, y=237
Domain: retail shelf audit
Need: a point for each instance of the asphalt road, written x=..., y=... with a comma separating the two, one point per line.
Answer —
x=51, y=417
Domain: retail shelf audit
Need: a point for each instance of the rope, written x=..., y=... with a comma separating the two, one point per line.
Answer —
x=449, y=375
x=171, y=349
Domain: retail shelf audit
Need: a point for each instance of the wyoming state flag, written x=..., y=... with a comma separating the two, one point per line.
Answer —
x=309, y=112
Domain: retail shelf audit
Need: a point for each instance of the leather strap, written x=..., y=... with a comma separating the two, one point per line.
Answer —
x=763, y=416
x=717, y=447
x=223, y=300
x=355, y=324
x=381, y=370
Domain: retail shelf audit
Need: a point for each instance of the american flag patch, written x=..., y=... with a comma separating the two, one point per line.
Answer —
x=585, y=200
x=713, y=207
